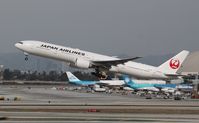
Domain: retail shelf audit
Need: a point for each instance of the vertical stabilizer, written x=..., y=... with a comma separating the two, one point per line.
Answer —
x=173, y=65
x=71, y=77
x=128, y=80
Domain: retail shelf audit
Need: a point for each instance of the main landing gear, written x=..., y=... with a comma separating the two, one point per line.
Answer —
x=100, y=74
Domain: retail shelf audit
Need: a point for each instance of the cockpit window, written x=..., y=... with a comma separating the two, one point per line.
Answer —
x=20, y=42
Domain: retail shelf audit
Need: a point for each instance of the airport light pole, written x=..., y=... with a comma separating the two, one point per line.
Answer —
x=1, y=72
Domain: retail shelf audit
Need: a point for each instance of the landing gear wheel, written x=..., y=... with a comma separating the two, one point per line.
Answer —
x=26, y=58
x=100, y=75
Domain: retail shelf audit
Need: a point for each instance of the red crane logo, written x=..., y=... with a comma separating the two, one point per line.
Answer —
x=174, y=63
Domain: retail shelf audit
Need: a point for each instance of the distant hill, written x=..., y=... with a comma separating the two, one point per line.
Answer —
x=16, y=61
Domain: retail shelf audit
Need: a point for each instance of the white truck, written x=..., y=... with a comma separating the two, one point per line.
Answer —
x=97, y=88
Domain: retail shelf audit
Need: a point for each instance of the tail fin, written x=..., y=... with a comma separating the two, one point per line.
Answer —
x=71, y=77
x=127, y=80
x=172, y=65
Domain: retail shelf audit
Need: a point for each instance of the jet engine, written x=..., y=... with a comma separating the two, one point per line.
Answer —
x=81, y=63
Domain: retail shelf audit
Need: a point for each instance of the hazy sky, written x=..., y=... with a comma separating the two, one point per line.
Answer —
x=112, y=27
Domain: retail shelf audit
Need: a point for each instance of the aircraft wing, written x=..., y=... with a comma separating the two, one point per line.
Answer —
x=109, y=63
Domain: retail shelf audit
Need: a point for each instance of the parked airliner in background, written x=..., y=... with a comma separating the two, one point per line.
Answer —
x=74, y=80
x=138, y=87
x=95, y=84
x=128, y=82
x=149, y=87
x=102, y=63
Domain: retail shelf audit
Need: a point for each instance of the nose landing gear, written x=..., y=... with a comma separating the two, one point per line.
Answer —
x=26, y=58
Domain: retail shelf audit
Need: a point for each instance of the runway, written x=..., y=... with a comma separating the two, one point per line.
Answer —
x=42, y=103
x=93, y=117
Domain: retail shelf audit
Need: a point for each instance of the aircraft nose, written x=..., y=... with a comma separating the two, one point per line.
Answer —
x=18, y=45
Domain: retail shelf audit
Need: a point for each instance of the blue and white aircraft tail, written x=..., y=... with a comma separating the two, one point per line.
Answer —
x=71, y=77
x=74, y=80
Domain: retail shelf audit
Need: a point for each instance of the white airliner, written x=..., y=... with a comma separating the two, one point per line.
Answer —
x=102, y=63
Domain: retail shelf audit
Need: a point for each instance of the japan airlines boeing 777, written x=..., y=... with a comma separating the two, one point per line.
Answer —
x=83, y=59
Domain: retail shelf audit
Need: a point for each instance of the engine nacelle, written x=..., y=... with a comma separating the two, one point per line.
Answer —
x=81, y=63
